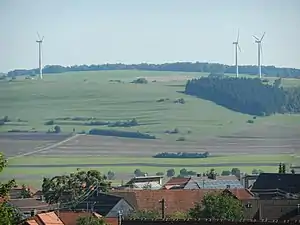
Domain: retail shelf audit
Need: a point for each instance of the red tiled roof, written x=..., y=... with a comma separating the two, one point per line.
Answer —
x=241, y=194
x=64, y=218
x=50, y=218
x=175, y=200
x=31, y=222
x=70, y=217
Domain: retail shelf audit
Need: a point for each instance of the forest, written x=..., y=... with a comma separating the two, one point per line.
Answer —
x=246, y=95
x=269, y=71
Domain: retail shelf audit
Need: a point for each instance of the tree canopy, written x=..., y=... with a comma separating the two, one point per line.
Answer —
x=245, y=95
x=90, y=220
x=218, y=206
x=7, y=214
x=214, y=68
x=68, y=188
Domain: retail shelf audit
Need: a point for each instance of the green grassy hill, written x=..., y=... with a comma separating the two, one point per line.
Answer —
x=92, y=94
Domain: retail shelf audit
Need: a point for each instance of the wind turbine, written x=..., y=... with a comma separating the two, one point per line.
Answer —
x=40, y=41
x=259, y=52
x=237, y=47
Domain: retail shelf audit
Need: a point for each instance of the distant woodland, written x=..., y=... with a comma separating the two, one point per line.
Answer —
x=269, y=71
x=245, y=95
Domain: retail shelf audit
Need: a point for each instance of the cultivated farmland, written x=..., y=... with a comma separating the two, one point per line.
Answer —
x=110, y=97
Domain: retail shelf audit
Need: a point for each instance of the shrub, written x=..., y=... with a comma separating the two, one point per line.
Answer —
x=50, y=122
x=225, y=173
x=140, y=81
x=170, y=173
x=57, y=129
x=250, y=121
x=117, y=133
x=181, y=139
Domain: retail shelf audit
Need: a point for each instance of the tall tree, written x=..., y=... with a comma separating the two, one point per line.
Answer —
x=218, y=206
x=7, y=214
x=69, y=188
x=90, y=220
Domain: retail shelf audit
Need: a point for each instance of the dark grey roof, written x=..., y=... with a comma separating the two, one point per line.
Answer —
x=199, y=183
x=28, y=204
x=289, y=183
x=102, y=203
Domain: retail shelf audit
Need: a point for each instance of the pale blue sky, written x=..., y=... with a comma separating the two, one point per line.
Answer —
x=154, y=31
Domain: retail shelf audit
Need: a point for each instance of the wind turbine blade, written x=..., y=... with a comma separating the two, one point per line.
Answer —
x=238, y=36
x=239, y=47
x=43, y=38
x=255, y=37
x=263, y=36
x=38, y=35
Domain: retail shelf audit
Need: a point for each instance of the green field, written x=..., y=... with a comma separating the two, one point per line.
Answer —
x=31, y=103
x=90, y=94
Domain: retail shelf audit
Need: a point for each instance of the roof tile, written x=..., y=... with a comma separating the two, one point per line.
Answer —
x=50, y=218
x=175, y=200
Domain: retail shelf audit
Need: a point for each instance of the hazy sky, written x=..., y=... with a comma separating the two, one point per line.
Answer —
x=154, y=31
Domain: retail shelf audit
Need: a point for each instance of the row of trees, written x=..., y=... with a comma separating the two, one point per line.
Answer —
x=177, y=66
x=181, y=155
x=246, y=95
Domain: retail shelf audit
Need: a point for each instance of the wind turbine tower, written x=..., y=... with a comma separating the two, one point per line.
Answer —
x=237, y=47
x=259, y=52
x=40, y=41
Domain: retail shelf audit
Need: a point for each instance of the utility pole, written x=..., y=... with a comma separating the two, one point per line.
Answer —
x=162, y=208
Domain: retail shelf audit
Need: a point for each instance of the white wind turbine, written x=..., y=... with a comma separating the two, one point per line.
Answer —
x=237, y=47
x=40, y=41
x=259, y=52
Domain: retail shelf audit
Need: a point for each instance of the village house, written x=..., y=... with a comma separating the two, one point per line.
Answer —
x=105, y=204
x=178, y=200
x=144, y=182
x=65, y=218
x=277, y=186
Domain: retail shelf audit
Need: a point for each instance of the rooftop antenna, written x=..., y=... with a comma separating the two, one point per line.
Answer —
x=259, y=52
x=237, y=47
x=40, y=41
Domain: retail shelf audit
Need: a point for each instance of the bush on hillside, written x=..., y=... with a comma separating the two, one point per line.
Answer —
x=181, y=155
x=129, y=123
x=180, y=101
x=140, y=81
x=117, y=133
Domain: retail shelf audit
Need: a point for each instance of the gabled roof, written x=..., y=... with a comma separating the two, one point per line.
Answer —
x=144, y=179
x=175, y=200
x=241, y=194
x=65, y=218
x=28, y=204
x=178, y=182
x=103, y=202
x=221, y=182
x=289, y=182
x=49, y=218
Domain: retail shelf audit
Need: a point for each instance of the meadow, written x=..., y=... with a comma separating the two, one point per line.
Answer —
x=109, y=96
